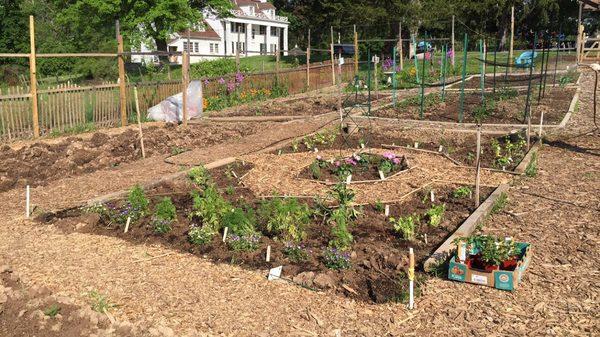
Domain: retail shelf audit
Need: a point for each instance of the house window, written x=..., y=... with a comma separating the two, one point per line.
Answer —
x=274, y=31
x=216, y=48
x=263, y=48
x=262, y=30
x=185, y=46
x=232, y=47
x=196, y=47
x=212, y=49
x=273, y=47
x=238, y=27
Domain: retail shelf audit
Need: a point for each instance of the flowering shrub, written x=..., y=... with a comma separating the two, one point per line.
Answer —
x=390, y=163
x=244, y=243
x=336, y=259
x=296, y=252
x=200, y=235
x=357, y=163
x=161, y=226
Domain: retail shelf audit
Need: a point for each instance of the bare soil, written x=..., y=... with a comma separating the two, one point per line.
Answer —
x=304, y=106
x=376, y=255
x=555, y=105
x=42, y=162
x=516, y=80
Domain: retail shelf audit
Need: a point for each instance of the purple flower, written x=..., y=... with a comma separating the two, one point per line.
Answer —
x=221, y=80
x=396, y=160
x=450, y=53
x=389, y=155
x=319, y=158
x=230, y=87
x=350, y=161
x=337, y=163
x=239, y=77
x=206, y=82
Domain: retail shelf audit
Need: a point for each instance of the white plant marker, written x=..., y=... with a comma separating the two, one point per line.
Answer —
x=279, y=153
x=411, y=279
x=127, y=224
x=233, y=172
x=225, y=233
x=268, y=258
x=362, y=145
x=432, y=195
x=275, y=273
x=316, y=150
x=461, y=251
x=416, y=145
x=387, y=210
x=441, y=148
x=348, y=179
x=425, y=238
x=27, y=199
x=381, y=175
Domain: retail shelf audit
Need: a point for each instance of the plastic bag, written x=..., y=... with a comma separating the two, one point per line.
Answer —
x=171, y=109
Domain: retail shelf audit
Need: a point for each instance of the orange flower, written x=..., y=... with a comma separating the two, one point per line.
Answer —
x=204, y=103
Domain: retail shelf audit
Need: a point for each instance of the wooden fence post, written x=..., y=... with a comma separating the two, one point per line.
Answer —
x=332, y=59
x=355, y=52
x=512, y=33
x=185, y=77
x=122, y=88
x=400, y=46
x=308, y=62
x=478, y=166
x=33, y=79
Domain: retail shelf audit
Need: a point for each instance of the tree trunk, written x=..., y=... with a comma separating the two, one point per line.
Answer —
x=161, y=45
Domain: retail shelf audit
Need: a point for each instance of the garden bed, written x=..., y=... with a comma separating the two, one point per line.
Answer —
x=304, y=106
x=505, y=107
x=521, y=80
x=44, y=161
x=370, y=268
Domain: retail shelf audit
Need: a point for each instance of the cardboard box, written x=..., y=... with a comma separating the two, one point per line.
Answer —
x=499, y=279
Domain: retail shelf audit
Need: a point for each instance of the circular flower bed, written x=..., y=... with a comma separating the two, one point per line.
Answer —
x=363, y=166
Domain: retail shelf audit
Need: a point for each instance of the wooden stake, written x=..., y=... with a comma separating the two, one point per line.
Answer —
x=400, y=46
x=453, y=50
x=512, y=33
x=387, y=210
x=127, y=224
x=33, y=79
x=268, y=257
x=122, y=88
x=355, y=51
x=185, y=71
x=308, y=62
x=478, y=166
x=541, y=123
x=237, y=51
x=411, y=278
x=139, y=120
x=225, y=233
x=332, y=59
x=27, y=201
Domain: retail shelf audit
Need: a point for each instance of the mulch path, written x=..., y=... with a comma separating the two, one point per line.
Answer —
x=558, y=295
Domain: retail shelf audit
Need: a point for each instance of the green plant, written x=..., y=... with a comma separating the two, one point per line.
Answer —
x=342, y=194
x=506, y=93
x=165, y=209
x=52, y=310
x=243, y=243
x=462, y=192
x=379, y=206
x=340, y=219
x=296, y=252
x=493, y=250
x=435, y=215
x=532, y=168
x=239, y=222
x=286, y=217
x=500, y=203
x=295, y=145
x=335, y=259
x=315, y=170
x=99, y=302
x=201, y=235
x=230, y=190
x=138, y=201
x=406, y=226
x=175, y=150
x=200, y=176
x=210, y=207
x=483, y=111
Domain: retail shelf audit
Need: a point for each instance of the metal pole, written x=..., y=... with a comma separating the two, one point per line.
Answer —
x=453, y=50
x=423, y=64
x=556, y=61
x=494, y=89
x=369, y=81
x=541, y=71
x=527, y=100
x=394, y=77
x=546, y=70
x=482, y=68
x=444, y=66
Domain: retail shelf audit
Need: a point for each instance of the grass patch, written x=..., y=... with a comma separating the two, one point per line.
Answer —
x=99, y=302
x=52, y=310
x=500, y=203
x=532, y=168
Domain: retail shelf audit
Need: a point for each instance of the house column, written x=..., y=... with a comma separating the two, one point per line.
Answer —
x=225, y=38
x=285, y=40
x=267, y=32
x=248, y=27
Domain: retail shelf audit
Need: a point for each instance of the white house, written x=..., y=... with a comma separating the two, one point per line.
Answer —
x=254, y=29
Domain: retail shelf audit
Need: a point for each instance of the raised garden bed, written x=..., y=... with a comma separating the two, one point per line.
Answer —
x=505, y=107
x=521, y=80
x=367, y=265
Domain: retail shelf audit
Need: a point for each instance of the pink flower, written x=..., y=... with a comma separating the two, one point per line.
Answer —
x=337, y=163
x=350, y=161
x=396, y=160
x=221, y=80
x=389, y=155
x=206, y=82
x=319, y=158
x=427, y=56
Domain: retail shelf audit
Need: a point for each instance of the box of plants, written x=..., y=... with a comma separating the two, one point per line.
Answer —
x=490, y=261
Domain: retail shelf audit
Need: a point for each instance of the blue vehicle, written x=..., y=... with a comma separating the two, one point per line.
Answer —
x=526, y=59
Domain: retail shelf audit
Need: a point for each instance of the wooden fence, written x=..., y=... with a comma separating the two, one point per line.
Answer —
x=67, y=106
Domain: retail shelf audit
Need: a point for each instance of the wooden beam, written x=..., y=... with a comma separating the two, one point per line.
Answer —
x=355, y=51
x=33, y=79
x=185, y=77
x=122, y=88
x=308, y=62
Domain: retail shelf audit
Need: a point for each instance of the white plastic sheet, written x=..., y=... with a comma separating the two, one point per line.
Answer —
x=171, y=109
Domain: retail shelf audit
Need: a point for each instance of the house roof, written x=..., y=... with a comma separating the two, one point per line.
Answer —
x=255, y=3
x=207, y=34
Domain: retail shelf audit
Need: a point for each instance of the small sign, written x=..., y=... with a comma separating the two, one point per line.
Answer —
x=275, y=273
x=416, y=145
x=348, y=179
x=127, y=224
x=432, y=196
x=375, y=59
x=268, y=257
x=341, y=61
x=441, y=148
x=225, y=233
x=479, y=279
x=381, y=176
x=387, y=210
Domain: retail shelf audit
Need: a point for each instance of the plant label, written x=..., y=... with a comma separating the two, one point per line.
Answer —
x=348, y=179
x=341, y=61
x=316, y=150
x=27, y=200
x=479, y=279
x=381, y=176
x=275, y=273
x=441, y=148
x=279, y=153
x=387, y=210
x=425, y=238
x=432, y=195
x=127, y=224
x=362, y=145
x=416, y=145
x=233, y=173
x=225, y=233
x=268, y=257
